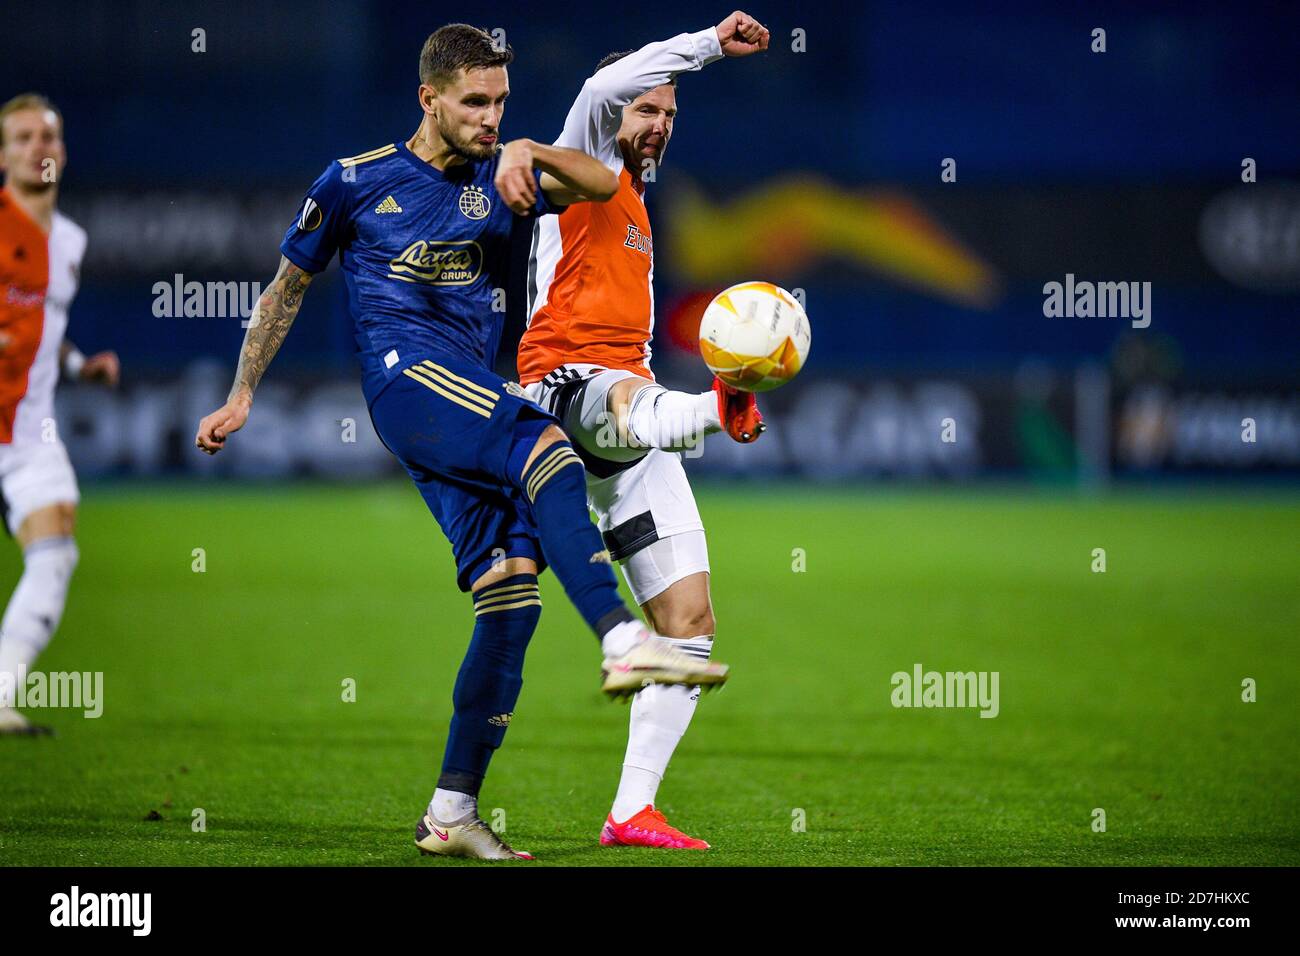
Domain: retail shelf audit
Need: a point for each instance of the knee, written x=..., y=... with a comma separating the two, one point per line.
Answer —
x=549, y=436
x=619, y=400
x=549, y=465
x=514, y=570
x=58, y=520
x=66, y=518
x=690, y=620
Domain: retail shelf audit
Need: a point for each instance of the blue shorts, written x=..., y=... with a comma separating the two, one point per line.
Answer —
x=453, y=425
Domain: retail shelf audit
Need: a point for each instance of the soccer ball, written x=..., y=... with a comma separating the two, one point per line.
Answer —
x=754, y=336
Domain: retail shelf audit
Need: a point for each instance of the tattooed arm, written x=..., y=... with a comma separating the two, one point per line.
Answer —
x=267, y=327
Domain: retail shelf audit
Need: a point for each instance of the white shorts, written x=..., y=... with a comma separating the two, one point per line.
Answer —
x=32, y=476
x=640, y=497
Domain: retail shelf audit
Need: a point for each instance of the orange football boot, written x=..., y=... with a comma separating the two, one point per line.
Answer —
x=648, y=828
x=738, y=412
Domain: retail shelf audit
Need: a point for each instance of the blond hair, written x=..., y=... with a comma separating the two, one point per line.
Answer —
x=27, y=101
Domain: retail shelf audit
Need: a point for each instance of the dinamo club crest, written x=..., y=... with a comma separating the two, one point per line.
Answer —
x=474, y=203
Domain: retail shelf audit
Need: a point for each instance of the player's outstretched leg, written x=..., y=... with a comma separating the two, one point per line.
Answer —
x=506, y=612
x=32, y=616
x=552, y=477
x=651, y=416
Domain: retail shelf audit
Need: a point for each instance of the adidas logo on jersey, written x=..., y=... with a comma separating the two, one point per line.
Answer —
x=388, y=205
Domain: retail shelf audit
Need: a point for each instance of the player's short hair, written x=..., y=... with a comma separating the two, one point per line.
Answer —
x=459, y=46
x=27, y=101
x=609, y=58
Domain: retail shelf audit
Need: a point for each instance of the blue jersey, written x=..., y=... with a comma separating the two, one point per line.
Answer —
x=423, y=253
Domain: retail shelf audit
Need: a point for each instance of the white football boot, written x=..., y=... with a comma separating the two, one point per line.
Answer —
x=653, y=661
x=471, y=837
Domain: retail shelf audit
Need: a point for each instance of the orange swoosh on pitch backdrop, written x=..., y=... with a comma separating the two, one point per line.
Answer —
x=785, y=225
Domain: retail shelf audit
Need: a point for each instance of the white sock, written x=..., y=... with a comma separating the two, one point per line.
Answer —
x=450, y=806
x=622, y=637
x=673, y=421
x=660, y=716
x=35, y=609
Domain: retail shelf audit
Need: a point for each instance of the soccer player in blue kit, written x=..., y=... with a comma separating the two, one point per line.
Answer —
x=422, y=231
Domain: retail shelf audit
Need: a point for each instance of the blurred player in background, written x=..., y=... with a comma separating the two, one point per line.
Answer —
x=586, y=358
x=422, y=229
x=40, y=258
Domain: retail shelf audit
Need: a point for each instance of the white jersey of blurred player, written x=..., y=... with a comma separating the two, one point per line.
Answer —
x=586, y=358
x=40, y=261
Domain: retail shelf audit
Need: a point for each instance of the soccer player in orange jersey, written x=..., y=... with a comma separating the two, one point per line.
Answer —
x=40, y=258
x=586, y=358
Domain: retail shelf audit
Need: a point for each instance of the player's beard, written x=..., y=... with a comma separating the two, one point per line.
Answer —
x=471, y=151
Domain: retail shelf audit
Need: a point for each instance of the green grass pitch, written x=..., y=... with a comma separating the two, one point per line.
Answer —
x=1120, y=691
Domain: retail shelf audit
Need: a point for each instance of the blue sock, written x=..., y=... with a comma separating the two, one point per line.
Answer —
x=556, y=486
x=487, y=687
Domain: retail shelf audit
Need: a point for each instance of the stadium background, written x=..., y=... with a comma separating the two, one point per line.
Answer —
x=818, y=169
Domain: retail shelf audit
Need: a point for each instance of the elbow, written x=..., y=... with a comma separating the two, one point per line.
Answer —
x=602, y=96
x=597, y=90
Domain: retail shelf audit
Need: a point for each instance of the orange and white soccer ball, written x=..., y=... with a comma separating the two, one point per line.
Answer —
x=755, y=336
